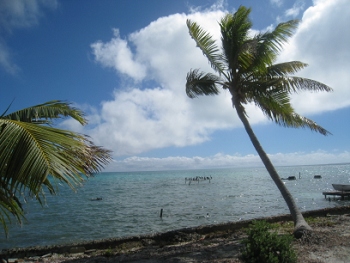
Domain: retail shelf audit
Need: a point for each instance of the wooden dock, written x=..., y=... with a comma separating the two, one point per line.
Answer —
x=342, y=194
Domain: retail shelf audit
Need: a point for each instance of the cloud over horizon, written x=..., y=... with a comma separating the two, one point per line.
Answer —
x=219, y=161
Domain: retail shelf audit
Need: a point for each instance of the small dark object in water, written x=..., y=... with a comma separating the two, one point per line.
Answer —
x=289, y=178
x=96, y=199
x=317, y=176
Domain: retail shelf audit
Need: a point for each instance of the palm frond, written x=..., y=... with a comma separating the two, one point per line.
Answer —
x=199, y=83
x=295, y=84
x=265, y=47
x=6, y=110
x=281, y=76
x=247, y=57
x=44, y=113
x=208, y=46
x=285, y=69
x=34, y=155
x=9, y=205
x=32, y=152
x=273, y=41
x=297, y=121
x=275, y=104
x=234, y=33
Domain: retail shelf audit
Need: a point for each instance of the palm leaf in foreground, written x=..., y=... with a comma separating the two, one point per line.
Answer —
x=34, y=155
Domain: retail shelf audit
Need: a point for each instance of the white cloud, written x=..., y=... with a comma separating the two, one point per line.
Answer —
x=322, y=41
x=15, y=14
x=141, y=119
x=155, y=112
x=117, y=55
x=18, y=14
x=218, y=5
x=276, y=2
x=294, y=11
x=224, y=161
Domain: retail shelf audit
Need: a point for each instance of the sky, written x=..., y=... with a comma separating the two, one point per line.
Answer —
x=124, y=63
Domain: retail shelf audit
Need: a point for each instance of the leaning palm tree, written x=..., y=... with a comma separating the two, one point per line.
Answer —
x=245, y=67
x=34, y=156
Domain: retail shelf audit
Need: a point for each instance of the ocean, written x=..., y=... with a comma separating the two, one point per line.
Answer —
x=129, y=203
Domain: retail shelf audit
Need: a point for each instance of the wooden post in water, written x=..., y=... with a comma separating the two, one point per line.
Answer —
x=161, y=213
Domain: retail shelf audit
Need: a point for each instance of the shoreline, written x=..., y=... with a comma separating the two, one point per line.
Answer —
x=163, y=238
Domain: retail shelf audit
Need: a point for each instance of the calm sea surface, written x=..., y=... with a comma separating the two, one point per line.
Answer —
x=131, y=203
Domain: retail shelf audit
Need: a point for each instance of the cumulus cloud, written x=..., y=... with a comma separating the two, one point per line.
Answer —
x=116, y=54
x=322, y=42
x=140, y=119
x=154, y=111
x=15, y=14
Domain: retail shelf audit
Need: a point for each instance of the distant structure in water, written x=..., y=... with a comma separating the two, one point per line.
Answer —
x=197, y=179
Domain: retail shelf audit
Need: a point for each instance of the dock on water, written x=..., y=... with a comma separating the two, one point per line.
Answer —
x=197, y=179
x=342, y=194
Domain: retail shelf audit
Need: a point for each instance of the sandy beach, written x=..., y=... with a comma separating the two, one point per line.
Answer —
x=329, y=243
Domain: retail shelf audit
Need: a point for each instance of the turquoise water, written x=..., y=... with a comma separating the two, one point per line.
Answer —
x=131, y=203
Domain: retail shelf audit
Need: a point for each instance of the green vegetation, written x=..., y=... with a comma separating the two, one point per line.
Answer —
x=320, y=221
x=245, y=68
x=265, y=246
x=313, y=221
x=34, y=156
x=109, y=252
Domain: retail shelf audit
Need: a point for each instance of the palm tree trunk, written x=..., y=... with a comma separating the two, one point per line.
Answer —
x=300, y=225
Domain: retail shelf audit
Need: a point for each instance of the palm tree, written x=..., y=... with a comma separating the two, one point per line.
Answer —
x=34, y=154
x=245, y=67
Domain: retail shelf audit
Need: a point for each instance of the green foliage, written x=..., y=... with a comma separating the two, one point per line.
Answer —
x=32, y=152
x=108, y=252
x=265, y=246
x=320, y=221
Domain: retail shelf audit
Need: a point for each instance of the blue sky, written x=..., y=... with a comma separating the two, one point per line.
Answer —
x=124, y=63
